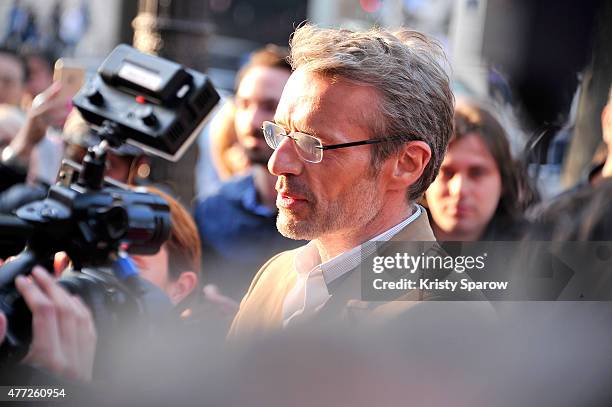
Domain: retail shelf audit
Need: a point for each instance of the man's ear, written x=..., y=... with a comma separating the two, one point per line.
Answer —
x=183, y=286
x=409, y=164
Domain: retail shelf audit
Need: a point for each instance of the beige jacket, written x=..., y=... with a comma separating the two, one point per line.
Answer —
x=261, y=309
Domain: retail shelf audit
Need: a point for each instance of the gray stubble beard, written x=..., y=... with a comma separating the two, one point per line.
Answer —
x=330, y=222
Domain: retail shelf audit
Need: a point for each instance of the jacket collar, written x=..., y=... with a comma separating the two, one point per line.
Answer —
x=348, y=288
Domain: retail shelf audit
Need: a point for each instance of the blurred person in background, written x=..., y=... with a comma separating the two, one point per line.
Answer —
x=581, y=212
x=598, y=172
x=481, y=192
x=13, y=77
x=602, y=167
x=566, y=252
x=40, y=74
x=21, y=134
x=237, y=222
x=221, y=156
x=16, y=158
x=47, y=154
x=11, y=120
x=21, y=25
x=585, y=215
x=606, y=128
x=228, y=156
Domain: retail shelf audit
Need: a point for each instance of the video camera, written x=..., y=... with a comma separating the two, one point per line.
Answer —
x=134, y=98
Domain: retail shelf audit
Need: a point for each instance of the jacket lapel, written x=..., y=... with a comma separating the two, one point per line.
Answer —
x=345, y=302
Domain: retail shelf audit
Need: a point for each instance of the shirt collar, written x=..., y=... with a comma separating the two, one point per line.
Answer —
x=308, y=257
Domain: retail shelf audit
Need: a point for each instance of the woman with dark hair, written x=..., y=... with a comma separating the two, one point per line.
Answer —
x=481, y=192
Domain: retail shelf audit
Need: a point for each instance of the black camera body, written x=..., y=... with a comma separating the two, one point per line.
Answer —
x=89, y=225
x=90, y=221
x=143, y=100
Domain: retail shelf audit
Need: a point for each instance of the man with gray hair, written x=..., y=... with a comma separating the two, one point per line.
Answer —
x=359, y=134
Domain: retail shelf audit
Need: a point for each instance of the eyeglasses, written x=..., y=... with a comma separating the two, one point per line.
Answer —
x=309, y=148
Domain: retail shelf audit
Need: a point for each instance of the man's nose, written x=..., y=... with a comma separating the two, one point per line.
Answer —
x=285, y=160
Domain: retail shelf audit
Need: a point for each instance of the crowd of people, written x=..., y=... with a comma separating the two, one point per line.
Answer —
x=342, y=142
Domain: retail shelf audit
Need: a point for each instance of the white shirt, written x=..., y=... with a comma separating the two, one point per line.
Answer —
x=310, y=291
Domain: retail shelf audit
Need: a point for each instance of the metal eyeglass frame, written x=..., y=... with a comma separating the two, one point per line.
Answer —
x=321, y=146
